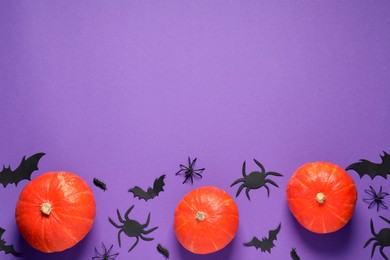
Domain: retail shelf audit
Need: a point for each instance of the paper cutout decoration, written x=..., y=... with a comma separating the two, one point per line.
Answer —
x=365, y=167
x=294, y=255
x=98, y=183
x=265, y=244
x=22, y=172
x=255, y=179
x=162, y=250
x=151, y=193
x=381, y=239
x=376, y=198
x=106, y=254
x=190, y=172
x=132, y=228
x=8, y=249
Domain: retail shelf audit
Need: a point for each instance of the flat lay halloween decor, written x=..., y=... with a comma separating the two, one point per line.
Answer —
x=55, y=211
x=189, y=171
x=206, y=220
x=366, y=167
x=321, y=196
x=376, y=198
x=105, y=254
x=150, y=193
x=255, y=180
x=22, y=172
x=8, y=249
x=381, y=239
x=266, y=243
x=132, y=228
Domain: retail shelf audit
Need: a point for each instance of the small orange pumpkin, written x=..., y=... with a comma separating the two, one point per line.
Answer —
x=55, y=211
x=206, y=220
x=321, y=196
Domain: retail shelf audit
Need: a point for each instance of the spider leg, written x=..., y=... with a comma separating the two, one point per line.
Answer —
x=119, y=237
x=382, y=253
x=109, y=250
x=240, y=189
x=192, y=178
x=247, y=193
x=97, y=254
x=136, y=242
x=370, y=192
x=146, y=238
x=237, y=181
x=373, y=248
x=260, y=165
x=385, y=219
x=369, y=241
x=192, y=164
x=113, y=223
x=147, y=221
x=113, y=256
x=271, y=182
x=265, y=186
x=383, y=205
x=128, y=212
x=273, y=174
x=372, y=228
x=186, y=178
x=198, y=174
x=119, y=216
x=244, y=169
x=149, y=231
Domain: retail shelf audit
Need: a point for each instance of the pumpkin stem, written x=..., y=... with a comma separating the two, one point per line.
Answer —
x=200, y=216
x=46, y=208
x=320, y=197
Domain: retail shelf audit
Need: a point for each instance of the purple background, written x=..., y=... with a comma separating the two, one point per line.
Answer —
x=125, y=90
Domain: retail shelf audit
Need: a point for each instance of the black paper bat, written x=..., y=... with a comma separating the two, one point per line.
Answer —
x=151, y=192
x=23, y=172
x=365, y=167
x=265, y=244
x=7, y=248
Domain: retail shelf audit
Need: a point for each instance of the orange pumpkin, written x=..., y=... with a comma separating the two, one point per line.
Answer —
x=321, y=196
x=206, y=220
x=55, y=211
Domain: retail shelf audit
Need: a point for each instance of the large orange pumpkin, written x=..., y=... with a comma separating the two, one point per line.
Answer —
x=206, y=220
x=321, y=196
x=55, y=211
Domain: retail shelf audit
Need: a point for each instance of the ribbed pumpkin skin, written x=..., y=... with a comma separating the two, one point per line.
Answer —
x=219, y=226
x=330, y=180
x=72, y=216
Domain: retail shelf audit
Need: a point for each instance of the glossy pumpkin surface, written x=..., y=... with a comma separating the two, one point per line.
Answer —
x=206, y=220
x=321, y=196
x=55, y=211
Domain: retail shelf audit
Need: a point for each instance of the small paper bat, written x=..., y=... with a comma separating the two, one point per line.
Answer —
x=265, y=244
x=365, y=167
x=151, y=192
x=23, y=172
x=98, y=183
x=7, y=248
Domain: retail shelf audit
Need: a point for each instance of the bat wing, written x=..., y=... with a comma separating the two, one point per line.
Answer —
x=273, y=233
x=140, y=193
x=10, y=249
x=22, y=172
x=365, y=167
x=158, y=185
x=254, y=242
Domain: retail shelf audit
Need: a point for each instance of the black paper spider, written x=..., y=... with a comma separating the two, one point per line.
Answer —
x=376, y=198
x=105, y=255
x=132, y=228
x=190, y=171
